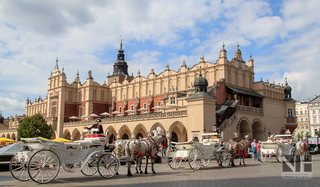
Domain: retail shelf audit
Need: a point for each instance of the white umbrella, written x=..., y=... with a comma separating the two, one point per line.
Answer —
x=105, y=114
x=142, y=109
x=85, y=116
x=93, y=115
x=116, y=112
x=73, y=117
x=158, y=107
x=128, y=111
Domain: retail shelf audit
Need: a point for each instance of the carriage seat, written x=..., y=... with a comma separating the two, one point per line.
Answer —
x=94, y=135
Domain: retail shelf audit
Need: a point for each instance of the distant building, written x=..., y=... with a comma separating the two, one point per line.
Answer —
x=314, y=115
x=184, y=104
x=302, y=112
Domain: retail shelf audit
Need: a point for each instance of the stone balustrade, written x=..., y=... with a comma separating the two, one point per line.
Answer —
x=131, y=118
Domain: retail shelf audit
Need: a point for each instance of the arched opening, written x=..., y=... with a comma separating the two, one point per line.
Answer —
x=124, y=132
x=174, y=137
x=178, y=132
x=258, y=131
x=66, y=135
x=140, y=131
x=3, y=136
x=8, y=136
x=13, y=136
x=283, y=131
x=112, y=138
x=76, y=136
x=139, y=135
x=125, y=136
x=244, y=128
x=156, y=127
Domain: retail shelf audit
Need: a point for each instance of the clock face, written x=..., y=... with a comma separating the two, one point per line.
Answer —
x=239, y=65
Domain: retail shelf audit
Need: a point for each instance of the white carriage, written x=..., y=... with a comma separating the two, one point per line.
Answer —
x=47, y=157
x=283, y=148
x=199, y=154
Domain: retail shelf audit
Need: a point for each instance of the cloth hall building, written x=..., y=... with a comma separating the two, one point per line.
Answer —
x=208, y=96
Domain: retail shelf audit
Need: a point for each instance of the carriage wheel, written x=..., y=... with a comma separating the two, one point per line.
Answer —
x=18, y=169
x=263, y=157
x=43, y=166
x=90, y=168
x=108, y=166
x=195, y=159
x=205, y=162
x=280, y=154
x=173, y=161
x=225, y=159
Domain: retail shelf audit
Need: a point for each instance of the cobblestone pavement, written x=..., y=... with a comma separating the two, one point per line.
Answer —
x=253, y=174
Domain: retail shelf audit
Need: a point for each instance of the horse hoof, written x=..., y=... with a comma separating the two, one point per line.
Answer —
x=141, y=172
x=117, y=173
x=129, y=174
x=145, y=172
x=137, y=172
x=154, y=172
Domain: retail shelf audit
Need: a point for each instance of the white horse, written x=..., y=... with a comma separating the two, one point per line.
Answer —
x=137, y=149
x=303, y=147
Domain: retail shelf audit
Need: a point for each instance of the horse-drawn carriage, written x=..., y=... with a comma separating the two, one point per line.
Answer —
x=43, y=162
x=284, y=147
x=199, y=154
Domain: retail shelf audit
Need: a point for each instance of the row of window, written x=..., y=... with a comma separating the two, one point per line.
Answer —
x=314, y=111
x=302, y=127
x=301, y=119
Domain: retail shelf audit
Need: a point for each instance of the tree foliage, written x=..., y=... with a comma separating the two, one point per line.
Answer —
x=35, y=126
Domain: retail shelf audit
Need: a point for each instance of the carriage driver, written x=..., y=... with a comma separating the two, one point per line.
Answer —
x=97, y=126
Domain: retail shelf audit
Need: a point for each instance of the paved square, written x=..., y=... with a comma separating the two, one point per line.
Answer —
x=253, y=174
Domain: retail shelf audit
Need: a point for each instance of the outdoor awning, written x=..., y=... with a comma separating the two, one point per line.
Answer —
x=220, y=109
x=245, y=92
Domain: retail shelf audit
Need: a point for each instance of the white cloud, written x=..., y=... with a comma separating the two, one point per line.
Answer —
x=12, y=106
x=83, y=34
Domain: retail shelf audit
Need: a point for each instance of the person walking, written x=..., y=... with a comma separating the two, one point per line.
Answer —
x=163, y=149
x=254, y=149
x=258, y=151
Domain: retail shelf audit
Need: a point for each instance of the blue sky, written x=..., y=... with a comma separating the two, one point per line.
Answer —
x=282, y=36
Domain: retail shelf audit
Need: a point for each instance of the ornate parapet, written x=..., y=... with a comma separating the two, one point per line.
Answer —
x=130, y=118
x=9, y=130
x=248, y=109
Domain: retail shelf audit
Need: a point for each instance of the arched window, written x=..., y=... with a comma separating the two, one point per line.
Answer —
x=139, y=135
x=125, y=136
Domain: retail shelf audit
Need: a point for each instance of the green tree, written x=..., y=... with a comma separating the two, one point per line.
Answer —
x=317, y=133
x=35, y=126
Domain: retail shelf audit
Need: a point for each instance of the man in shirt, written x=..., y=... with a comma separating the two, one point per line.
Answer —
x=96, y=126
x=254, y=148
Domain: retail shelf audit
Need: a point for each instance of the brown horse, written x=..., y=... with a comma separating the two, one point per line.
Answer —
x=234, y=147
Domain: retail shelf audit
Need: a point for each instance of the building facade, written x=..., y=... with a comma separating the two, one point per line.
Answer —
x=314, y=115
x=302, y=112
x=185, y=104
